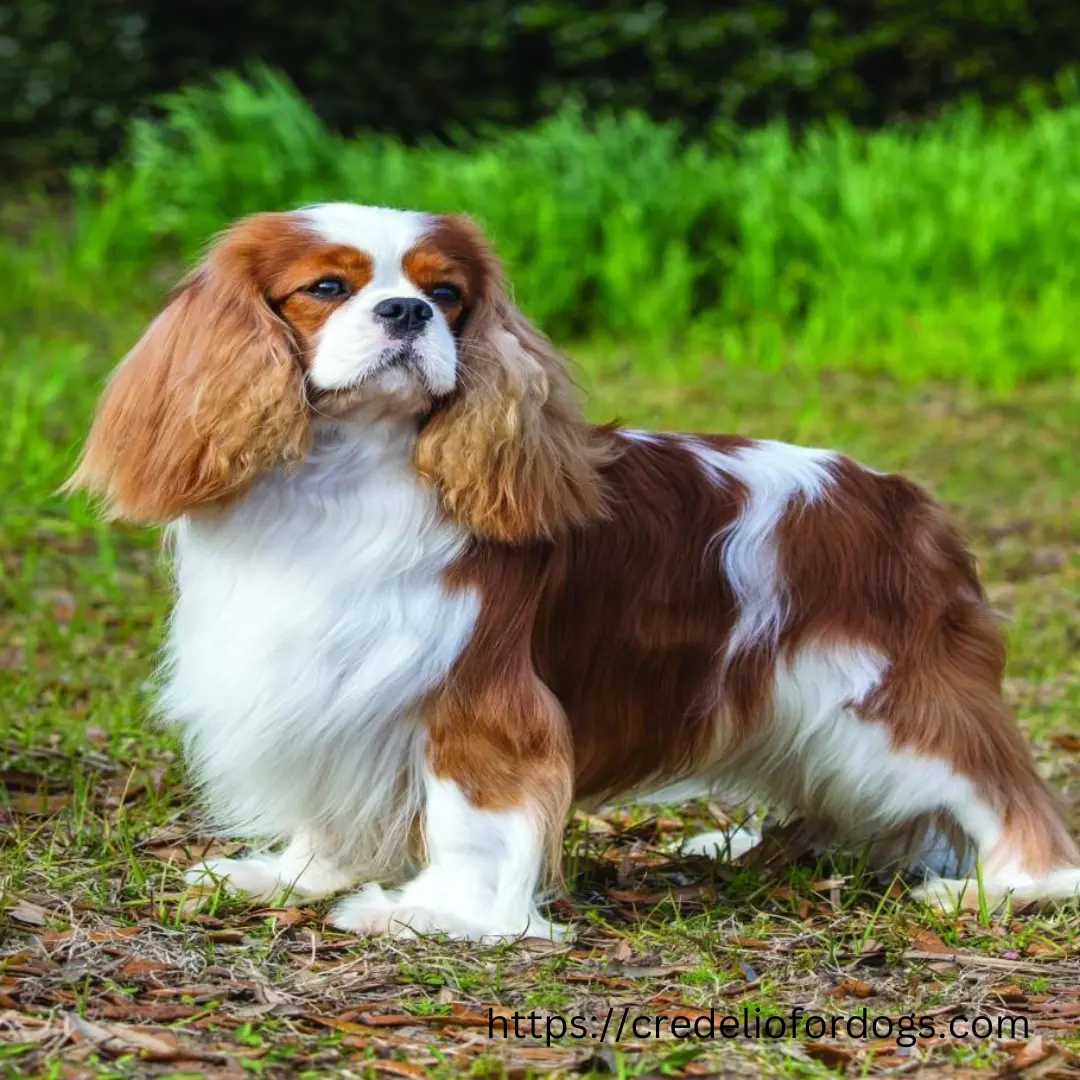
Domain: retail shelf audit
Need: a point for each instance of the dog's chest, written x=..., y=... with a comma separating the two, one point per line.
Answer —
x=317, y=604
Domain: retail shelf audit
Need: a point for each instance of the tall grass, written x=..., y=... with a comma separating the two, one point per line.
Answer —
x=947, y=250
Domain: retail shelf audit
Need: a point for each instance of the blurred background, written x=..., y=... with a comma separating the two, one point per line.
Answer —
x=883, y=184
x=75, y=71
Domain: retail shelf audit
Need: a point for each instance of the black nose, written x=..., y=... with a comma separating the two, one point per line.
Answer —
x=404, y=314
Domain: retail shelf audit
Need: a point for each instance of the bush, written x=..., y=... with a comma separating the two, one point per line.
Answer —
x=950, y=250
x=73, y=71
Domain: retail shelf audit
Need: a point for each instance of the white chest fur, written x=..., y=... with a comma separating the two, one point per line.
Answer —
x=310, y=620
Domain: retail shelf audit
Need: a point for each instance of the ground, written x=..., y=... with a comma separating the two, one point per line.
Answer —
x=109, y=968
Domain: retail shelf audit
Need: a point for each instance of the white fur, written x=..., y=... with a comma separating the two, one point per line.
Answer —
x=480, y=882
x=726, y=845
x=820, y=753
x=1058, y=886
x=670, y=794
x=648, y=438
x=353, y=345
x=301, y=871
x=773, y=474
x=849, y=772
x=311, y=619
x=933, y=847
x=382, y=231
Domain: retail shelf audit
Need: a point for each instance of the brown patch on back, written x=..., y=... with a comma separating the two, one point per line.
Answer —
x=635, y=616
x=622, y=620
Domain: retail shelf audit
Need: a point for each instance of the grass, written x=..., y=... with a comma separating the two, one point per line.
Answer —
x=792, y=291
x=951, y=249
x=108, y=968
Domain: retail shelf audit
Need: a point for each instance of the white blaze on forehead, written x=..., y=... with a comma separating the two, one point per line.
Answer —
x=385, y=234
x=352, y=345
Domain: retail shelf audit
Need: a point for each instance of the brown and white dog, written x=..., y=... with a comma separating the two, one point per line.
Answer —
x=417, y=594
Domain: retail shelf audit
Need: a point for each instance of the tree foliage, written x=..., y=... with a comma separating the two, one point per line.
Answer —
x=73, y=71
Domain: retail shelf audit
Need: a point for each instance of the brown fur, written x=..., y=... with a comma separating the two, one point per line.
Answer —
x=891, y=572
x=626, y=620
x=432, y=263
x=510, y=453
x=504, y=740
x=605, y=638
x=212, y=394
x=629, y=621
x=306, y=314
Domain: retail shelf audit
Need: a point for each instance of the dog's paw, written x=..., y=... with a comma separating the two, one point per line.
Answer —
x=1060, y=886
x=255, y=875
x=263, y=876
x=948, y=894
x=373, y=911
x=723, y=845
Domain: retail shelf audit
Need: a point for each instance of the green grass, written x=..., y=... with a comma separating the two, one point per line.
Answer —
x=951, y=249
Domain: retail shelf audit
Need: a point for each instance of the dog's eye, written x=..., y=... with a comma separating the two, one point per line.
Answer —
x=329, y=288
x=445, y=293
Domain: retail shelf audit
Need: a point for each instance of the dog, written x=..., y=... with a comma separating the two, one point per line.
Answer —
x=423, y=607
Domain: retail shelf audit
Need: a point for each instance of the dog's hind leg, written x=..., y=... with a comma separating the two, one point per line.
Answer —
x=926, y=764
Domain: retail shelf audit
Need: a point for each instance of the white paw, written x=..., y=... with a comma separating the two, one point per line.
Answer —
x=372, y=911
x=728, y=845
x=264, y=876
x=1060, y=886
x=948, y=894
x=255, y=874
x=952, y=895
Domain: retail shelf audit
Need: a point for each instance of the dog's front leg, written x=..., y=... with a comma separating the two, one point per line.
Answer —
x=497, y=789
x=302, y=871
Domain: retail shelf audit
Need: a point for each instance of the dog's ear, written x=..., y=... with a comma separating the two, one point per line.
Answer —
x=210, y=397
x=510, y=453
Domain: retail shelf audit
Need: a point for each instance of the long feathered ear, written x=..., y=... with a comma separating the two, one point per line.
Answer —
x=210, y=397
x=510, y=453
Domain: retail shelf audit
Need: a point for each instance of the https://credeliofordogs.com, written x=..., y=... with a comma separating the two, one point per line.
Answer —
x=624, y=1022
